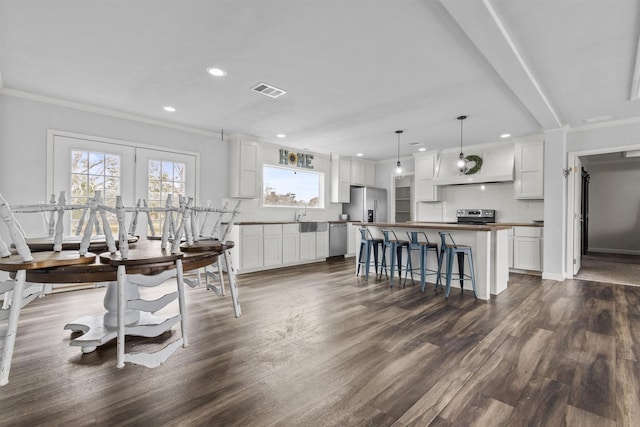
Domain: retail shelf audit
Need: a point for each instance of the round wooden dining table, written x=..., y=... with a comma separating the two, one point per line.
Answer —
x=146, y=257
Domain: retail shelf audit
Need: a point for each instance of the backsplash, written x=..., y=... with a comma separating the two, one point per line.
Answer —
x=498, y=196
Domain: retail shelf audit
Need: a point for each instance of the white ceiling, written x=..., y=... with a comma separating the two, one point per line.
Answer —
x=355, y=71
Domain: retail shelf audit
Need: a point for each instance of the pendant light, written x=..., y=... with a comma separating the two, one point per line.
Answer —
x=461, y=164
x=398, y=171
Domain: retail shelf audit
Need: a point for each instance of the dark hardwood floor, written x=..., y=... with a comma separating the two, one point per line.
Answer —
x=317, y=346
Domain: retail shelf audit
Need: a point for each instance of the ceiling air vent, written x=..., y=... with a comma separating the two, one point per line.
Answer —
x=268, y=90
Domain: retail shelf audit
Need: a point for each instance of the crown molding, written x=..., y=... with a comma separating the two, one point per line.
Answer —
x=104, y=111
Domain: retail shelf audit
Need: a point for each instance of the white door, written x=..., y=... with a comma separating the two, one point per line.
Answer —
x=159, y=173
x=81, y=166
x=577, y=215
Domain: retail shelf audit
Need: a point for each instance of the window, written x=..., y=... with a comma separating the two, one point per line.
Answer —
x=82, y=164
x=284, y=187
x=165, y=177
x=93, y=171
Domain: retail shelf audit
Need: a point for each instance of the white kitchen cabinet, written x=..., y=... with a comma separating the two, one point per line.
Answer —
x=425, y=173
x=251, y=247
x=272, y=240
x=340, y=179
x=357, y=172
x=307, y=246
x=529, y=167
x=369, y=173
x=352, y=242
x=322, y=244
x=244, y=175
x=527, y=248
x=510, y=237
x=290, y=243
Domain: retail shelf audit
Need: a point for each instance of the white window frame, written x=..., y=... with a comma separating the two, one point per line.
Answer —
x=165, y=152
x=321, y=192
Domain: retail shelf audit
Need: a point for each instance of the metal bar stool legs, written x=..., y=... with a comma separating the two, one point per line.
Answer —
x=424, y=246
x=449, y=249
x=368, y=244
x=395, y=248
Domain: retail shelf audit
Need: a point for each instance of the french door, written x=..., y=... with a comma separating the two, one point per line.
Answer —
x=80, y=165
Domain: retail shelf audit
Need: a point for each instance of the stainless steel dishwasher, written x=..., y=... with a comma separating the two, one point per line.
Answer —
x=338, y=238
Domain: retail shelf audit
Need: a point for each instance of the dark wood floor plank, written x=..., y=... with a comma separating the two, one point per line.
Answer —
x=318, y=346
x=628, y=392
x=543, y=403
x=594, y=383
x=579, y=417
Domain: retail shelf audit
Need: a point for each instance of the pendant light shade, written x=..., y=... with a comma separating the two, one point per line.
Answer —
x=399, y=172
x=461, y=164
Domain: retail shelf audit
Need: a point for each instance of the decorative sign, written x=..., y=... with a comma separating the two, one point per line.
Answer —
x=476, y=161
x=300, y=160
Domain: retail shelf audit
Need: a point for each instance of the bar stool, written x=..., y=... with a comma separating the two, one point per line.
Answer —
x=449, y=249
x=395, y=245
x=368, y=242
x=424, y=247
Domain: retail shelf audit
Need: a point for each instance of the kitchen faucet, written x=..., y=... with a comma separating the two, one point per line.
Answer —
x=298, y=210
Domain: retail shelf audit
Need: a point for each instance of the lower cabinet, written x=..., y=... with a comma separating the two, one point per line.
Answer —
x=527, y=248
x=290, y=243
x=268, y=246
x=273, y=239
x=307, y=246
x=352, y=242
x=322, y=244
x=251, y=246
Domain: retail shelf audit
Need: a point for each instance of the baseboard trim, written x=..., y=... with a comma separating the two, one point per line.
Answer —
x=553, y=276
x=614, y=251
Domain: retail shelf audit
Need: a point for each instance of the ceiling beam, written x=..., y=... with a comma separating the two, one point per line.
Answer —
x=480, y=22
x=635, y=83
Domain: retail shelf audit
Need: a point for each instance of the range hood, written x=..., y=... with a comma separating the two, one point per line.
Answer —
x=497, y=165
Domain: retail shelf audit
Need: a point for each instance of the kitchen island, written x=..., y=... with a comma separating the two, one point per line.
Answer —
x=489, y=243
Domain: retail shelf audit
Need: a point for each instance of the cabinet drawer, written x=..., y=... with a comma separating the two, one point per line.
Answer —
x=252, y=230
x=527, y=231
x=273, y=229
x=290, y=228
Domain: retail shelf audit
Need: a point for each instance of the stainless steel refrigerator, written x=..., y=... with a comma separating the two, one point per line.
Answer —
x=368, y=204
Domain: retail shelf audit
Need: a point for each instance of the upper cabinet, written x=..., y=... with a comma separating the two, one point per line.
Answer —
x=425, y=173
x=340, y=179
x=244, y=175
x=363, y=172
x=529, y=165
x=357, y=172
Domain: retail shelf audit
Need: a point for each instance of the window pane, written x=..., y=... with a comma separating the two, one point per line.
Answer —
x=79, y=161
x=167, y=171
x=288, y=187
x=112, y=165
x=96, y=163
x=154, y=169
x=79, y=185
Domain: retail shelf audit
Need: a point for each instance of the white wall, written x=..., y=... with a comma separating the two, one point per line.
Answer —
x=614, y=207
x=23, y=143
x=498, y=196
x=252, y=210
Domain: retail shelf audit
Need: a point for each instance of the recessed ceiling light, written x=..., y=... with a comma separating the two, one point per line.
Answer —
x=216, y=72
x=359, y=154
x=422, y=149
x=169, y=109
x=281, y=135
x=505, y=135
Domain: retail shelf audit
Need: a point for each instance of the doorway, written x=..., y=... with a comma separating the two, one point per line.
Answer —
x=603, y=217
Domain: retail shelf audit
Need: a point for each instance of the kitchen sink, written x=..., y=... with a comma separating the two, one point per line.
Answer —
x=313, y=226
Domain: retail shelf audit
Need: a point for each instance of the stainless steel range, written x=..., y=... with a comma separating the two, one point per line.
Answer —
x=476, y=216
